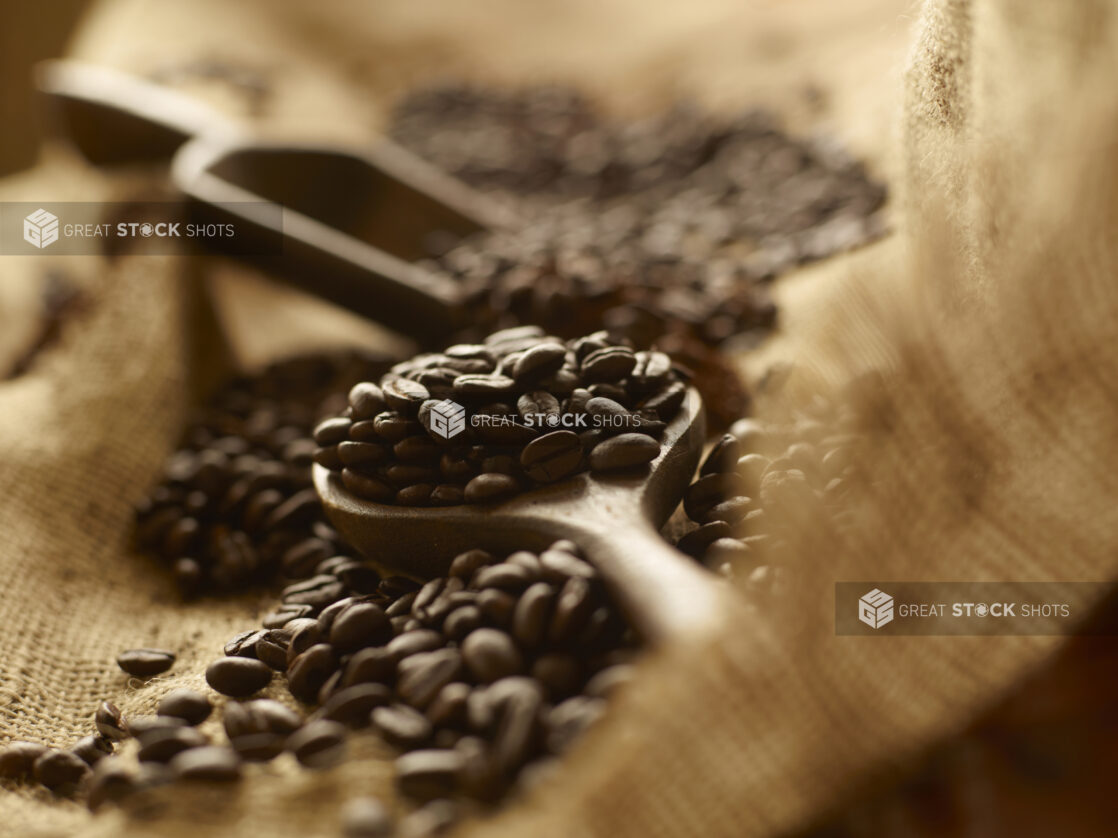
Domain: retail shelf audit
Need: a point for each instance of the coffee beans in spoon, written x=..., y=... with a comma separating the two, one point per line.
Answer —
x=481, y=422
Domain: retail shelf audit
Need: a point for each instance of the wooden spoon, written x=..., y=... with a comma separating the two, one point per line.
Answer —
x=614, y=520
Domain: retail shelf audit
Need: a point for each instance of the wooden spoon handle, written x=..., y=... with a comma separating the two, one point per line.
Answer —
x=664, y=593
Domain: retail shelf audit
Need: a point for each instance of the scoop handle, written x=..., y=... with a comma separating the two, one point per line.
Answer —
x=665, y=594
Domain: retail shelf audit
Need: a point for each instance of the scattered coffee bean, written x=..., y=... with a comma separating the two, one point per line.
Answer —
x=318, y=744
x=145, y=663
x=60, y=771
x=211, y=763
x=109, y=722
x=92, y=748
x=18, y=758
x=238, y=677
x=190, y=706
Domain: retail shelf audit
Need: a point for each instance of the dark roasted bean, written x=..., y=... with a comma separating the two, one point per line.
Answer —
x=401, y=725
x=428, y=774
x=361, y=624
x=141, y=726
x=163, y=745
x=365, y=401
x=309, y=671
x=243, y=645
x=238, y=677
x=532, y=615
x=623, y=451
x=18, y=758
x=190, y=706
x=145, y=663
x=113, y=780
x=318, y=744
x=259, y=747
x=490, y=654
x=421, y=676
x=109, y=722
x=552, y=456
x=212, y=763
x=353, y=705
x=60, y=771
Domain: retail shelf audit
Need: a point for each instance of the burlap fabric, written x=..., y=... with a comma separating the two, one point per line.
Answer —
x=990, y=315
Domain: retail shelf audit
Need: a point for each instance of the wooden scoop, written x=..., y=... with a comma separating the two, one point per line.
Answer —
x=614, y=520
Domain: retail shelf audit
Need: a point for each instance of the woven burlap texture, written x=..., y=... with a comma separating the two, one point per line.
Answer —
x=990, y=315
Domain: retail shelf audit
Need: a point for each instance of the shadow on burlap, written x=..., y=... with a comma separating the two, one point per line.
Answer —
x=990, y=319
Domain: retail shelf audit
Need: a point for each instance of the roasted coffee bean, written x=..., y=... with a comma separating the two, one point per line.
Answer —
x=259, y=747
x=520, y=700
x=369, y=488
x=271, y=648
x=145, y=663
x=609, y=679
x=141, y=726
x=461, y=621
x=361, y=624
x=436, y=818
x=428, y=774
x=332, y=431
x=309, y=671
x=163, y=745
x=353, y=705
x=109, y=722
x=449, y=706
x=362, y=455
x=537, y=403
x=538, y=362
x=243, y=645
x=561, y=674
x=113, y=780
x=572, y=608
x=552, y=456
x=277, y=718
x=610, y=363
x=420, y=677
x=211, y=763
x=190, y=706
x=559, y=564
x=723, y=456
x=92, y=748
x=373, y=665
x=532, y=615
x=505, y=576
x=567, y=721
x=401, y=725
x=404, y=396
x=317, y=592
x=623, y=452
x=287, y=612
x=238, y=677
x=490, y=654
x=496, y=605
x=413, y=642
x=60, y=771
x=366, y=400
x=18, y=759
x=318, y=744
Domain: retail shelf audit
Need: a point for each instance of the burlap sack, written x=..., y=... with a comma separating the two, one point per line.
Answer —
x=990, y=315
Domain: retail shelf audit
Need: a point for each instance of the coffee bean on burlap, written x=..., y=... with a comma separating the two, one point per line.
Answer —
x=190, y=706
x=92, y=749
x=428, y=774
x=60, y=771
x=109, y=722
x=318, y=744
x=145, y=663
x=211, y=763
x=238, y=677
x=163, y=745
x=18, y=758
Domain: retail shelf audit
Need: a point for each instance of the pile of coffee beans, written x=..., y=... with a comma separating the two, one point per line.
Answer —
x=760, y=479
x=236, y=503
x=481, y=678
x=660, y=230
x=540, y=409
